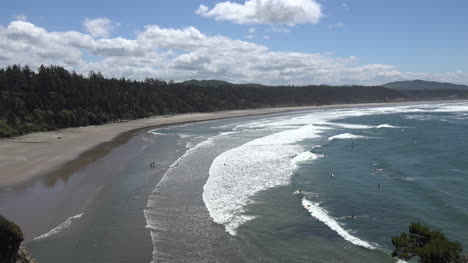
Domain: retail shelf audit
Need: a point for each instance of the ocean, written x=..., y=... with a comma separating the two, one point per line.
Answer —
x=325, y=185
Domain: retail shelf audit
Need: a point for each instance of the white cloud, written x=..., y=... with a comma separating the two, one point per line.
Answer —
x=285, y=12
x=252, y=30
x=99, y=27
x=187, y=53
x=266, y=37
x=249, y=36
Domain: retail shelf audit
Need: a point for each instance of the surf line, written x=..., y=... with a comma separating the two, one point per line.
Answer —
x=59, y=228
x=321, y=214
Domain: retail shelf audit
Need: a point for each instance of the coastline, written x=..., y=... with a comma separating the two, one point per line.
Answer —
x=60, y=153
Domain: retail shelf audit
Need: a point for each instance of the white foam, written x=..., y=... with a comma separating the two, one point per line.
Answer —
x=321, y=214
x=154, y=132
x=351, y=126
x=190, y=150
x=304, y=157
x=240, y=173
x=409, y=179
x=452, y=108
x=387, y=126
x=184, y=136
x=346, y=136
x=361, y=126
x=60, y=228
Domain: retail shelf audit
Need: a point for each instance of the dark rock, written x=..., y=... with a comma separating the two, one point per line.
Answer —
x=11, y=249
x=24, y=256
x=10, y=240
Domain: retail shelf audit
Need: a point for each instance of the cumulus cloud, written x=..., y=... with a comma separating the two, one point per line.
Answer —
x=286, y=12
x=187, y=53
x=99, y=27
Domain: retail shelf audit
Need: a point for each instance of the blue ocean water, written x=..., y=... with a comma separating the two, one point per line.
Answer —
x=363, y=174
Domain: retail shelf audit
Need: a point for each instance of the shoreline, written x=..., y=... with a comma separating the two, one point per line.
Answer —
x=60, y=153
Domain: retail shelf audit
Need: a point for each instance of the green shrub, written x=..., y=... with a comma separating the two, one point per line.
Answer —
x=428, y=245
x=10, y=235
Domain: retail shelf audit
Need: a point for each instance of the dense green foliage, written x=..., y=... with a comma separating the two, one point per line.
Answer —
x=54, y=98
x=428, y=245
x=10, y=236
x=424, y=85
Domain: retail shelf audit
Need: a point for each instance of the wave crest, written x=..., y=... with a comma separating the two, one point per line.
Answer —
x=59, y=228
x=321, y=214
x=346, y=136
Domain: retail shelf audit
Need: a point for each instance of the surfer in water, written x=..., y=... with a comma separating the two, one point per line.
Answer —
x=297, y=192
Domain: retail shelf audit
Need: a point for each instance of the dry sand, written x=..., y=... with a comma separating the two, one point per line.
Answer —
x=31, y=155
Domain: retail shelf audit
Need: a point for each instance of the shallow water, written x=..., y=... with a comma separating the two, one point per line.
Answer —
x=226, y=193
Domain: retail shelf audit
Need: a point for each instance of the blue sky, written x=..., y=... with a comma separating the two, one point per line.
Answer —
x=282, y=42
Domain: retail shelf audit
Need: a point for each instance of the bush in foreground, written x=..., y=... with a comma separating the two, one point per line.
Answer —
x=428, y=245
x=10, y=239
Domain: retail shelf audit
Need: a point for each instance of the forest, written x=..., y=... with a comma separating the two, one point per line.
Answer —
x=52, y=97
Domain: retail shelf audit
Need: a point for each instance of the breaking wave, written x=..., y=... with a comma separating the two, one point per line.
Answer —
x=304, y=157
x=60, y=228
x=321, y=214
x=346, y=136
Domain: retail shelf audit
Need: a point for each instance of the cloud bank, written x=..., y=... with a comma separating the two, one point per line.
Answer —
x=285, y=12
x=187, y=53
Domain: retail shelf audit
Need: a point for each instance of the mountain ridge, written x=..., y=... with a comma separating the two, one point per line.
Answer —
x=419, y=84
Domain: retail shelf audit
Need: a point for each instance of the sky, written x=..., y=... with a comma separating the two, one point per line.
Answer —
x=276, y=42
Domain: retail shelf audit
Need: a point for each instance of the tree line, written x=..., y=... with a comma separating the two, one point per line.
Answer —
x=52, y=98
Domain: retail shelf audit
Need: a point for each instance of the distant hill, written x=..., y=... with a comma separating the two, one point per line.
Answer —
x=217, y=83
x=422, y=84
x=206, y=83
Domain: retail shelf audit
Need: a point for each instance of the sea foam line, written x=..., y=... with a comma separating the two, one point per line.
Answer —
x=360, y=126
x=321, y=214
x=386, y=125
x=60, y=227
x=151, y=221
x=304, y=157
x=346, y=136
x=240, y=173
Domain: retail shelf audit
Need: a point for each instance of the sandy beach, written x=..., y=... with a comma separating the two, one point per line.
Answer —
x=36, y=154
